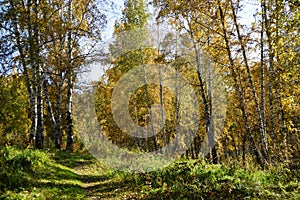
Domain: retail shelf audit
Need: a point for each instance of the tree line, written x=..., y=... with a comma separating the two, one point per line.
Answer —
x=259, y=67
x=256, y=66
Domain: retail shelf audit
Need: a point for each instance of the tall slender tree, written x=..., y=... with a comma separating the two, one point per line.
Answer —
x=46, y=42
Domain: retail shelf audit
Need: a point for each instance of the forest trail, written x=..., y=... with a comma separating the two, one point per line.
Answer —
x=55, y=175
x=99, y=182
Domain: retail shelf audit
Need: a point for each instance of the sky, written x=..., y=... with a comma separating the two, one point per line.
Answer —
x=97, y=70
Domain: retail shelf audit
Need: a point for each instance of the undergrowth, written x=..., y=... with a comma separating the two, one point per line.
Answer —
x=34, y=174
x=196, y=179
x=17, y=165
x=41, y=174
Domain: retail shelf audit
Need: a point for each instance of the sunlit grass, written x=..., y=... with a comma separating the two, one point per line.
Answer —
x=25, y=176
x=35, y=174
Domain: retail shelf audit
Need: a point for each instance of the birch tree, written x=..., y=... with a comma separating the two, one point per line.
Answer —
x=46, y=43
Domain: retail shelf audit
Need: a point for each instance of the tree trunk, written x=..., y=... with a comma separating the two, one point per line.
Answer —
x=138, y=139
x=58, y=132
x=29, y=81
x=211, y=114
x=149, y=104
x=262, y=71
x=70, y=139
x=50, y=113
x=209, y=126
x=70, y=78
x=271, y=71
x=162, y=110
x=177, y=109
x=262, y=128
x=39, y=138
x=37, y=73
x=237, y=87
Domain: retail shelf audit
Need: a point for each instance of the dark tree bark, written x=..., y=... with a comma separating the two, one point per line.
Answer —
x=262, y=128
x=39, y=138
x=70, y=78
x=51, y=114
x=58, y=131
x=155, y=146
x=161, y=96
x=70, y=139
x=238, y=89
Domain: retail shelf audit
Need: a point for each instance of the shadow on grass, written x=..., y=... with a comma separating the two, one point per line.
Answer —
x=56, y=172
x=61, y=171
x=73, y=159
x=109, y=189
x=54, y=179
x=94, y=178
x=56, y=190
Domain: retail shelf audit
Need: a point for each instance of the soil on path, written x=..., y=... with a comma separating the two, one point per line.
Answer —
x=101, y=183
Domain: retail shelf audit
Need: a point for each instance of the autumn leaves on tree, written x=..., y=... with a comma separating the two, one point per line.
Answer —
x=249, y=57
x=216, y=27
x=44, y=45
x=257, y=65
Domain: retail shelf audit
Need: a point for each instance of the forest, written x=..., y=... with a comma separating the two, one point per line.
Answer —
x=193, y=99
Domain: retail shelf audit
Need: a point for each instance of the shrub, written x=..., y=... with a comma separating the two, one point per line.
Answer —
x=15, y=164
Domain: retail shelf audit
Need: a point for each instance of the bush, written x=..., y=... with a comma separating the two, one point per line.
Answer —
x=15, y=164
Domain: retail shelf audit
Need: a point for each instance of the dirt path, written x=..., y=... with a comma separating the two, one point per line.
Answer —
x=100, y=183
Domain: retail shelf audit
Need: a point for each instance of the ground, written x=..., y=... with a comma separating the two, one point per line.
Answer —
x=35, y=174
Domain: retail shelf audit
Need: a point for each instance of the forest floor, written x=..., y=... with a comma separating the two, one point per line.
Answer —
x=34, y=174
x=60, y=175
x=99, y=181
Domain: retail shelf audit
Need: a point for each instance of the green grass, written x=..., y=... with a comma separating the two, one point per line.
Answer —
x=35, y=174
x=199, y=180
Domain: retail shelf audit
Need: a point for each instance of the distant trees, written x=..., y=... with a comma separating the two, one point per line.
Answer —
x=128, y=51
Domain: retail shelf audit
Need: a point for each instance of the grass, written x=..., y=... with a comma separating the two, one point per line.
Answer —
x=198, y=180
x=35, y=174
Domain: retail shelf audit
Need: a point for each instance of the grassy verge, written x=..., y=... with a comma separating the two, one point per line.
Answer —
x=199, y=180
x=35, y=174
